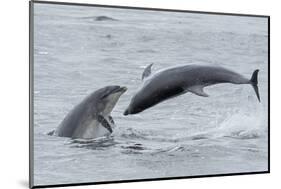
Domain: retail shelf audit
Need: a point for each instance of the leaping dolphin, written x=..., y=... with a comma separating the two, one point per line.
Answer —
x=91, y=118
x=175, y=81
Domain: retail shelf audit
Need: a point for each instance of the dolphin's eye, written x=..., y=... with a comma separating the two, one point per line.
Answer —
x=105, y=94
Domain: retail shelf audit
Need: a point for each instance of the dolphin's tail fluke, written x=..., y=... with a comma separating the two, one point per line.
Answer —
x=254, y=83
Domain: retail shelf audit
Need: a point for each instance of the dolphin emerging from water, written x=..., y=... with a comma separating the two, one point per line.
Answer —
x=176, y=81
x=91, y=118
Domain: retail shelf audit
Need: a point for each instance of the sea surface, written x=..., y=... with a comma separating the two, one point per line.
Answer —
x=78, y=50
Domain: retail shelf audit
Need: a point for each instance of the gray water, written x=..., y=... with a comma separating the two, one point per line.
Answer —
x=76, y=54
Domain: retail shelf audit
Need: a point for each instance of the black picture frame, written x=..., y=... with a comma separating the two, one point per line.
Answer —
x=31, y=92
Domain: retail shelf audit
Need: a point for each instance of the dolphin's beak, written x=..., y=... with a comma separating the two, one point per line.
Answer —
x=126, y=112
x=120, y=89
x=123, y=89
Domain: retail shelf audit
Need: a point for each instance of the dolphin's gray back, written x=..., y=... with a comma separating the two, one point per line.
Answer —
x=190, y=75
x=212, y=75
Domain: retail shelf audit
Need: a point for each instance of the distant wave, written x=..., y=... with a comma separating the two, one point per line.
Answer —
x=104, y=18
x=100, y=18
x=146, y=51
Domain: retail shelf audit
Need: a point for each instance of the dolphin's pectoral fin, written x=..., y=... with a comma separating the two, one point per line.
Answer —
x=198, y=90
x=111, y=119
x=104, y=123
x=147, y=71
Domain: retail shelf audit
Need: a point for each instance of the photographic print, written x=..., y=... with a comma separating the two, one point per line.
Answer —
x=123, y=94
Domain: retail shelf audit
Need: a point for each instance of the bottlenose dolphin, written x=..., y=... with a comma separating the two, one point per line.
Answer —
x=91, y=118
x=171, y=82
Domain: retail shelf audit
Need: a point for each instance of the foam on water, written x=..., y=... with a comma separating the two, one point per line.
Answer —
x=247, y=122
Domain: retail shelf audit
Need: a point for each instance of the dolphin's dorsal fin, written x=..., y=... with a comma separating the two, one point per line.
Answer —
x=198, y=90
x=147, y=71
x=51, y=133
x=104, y=123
